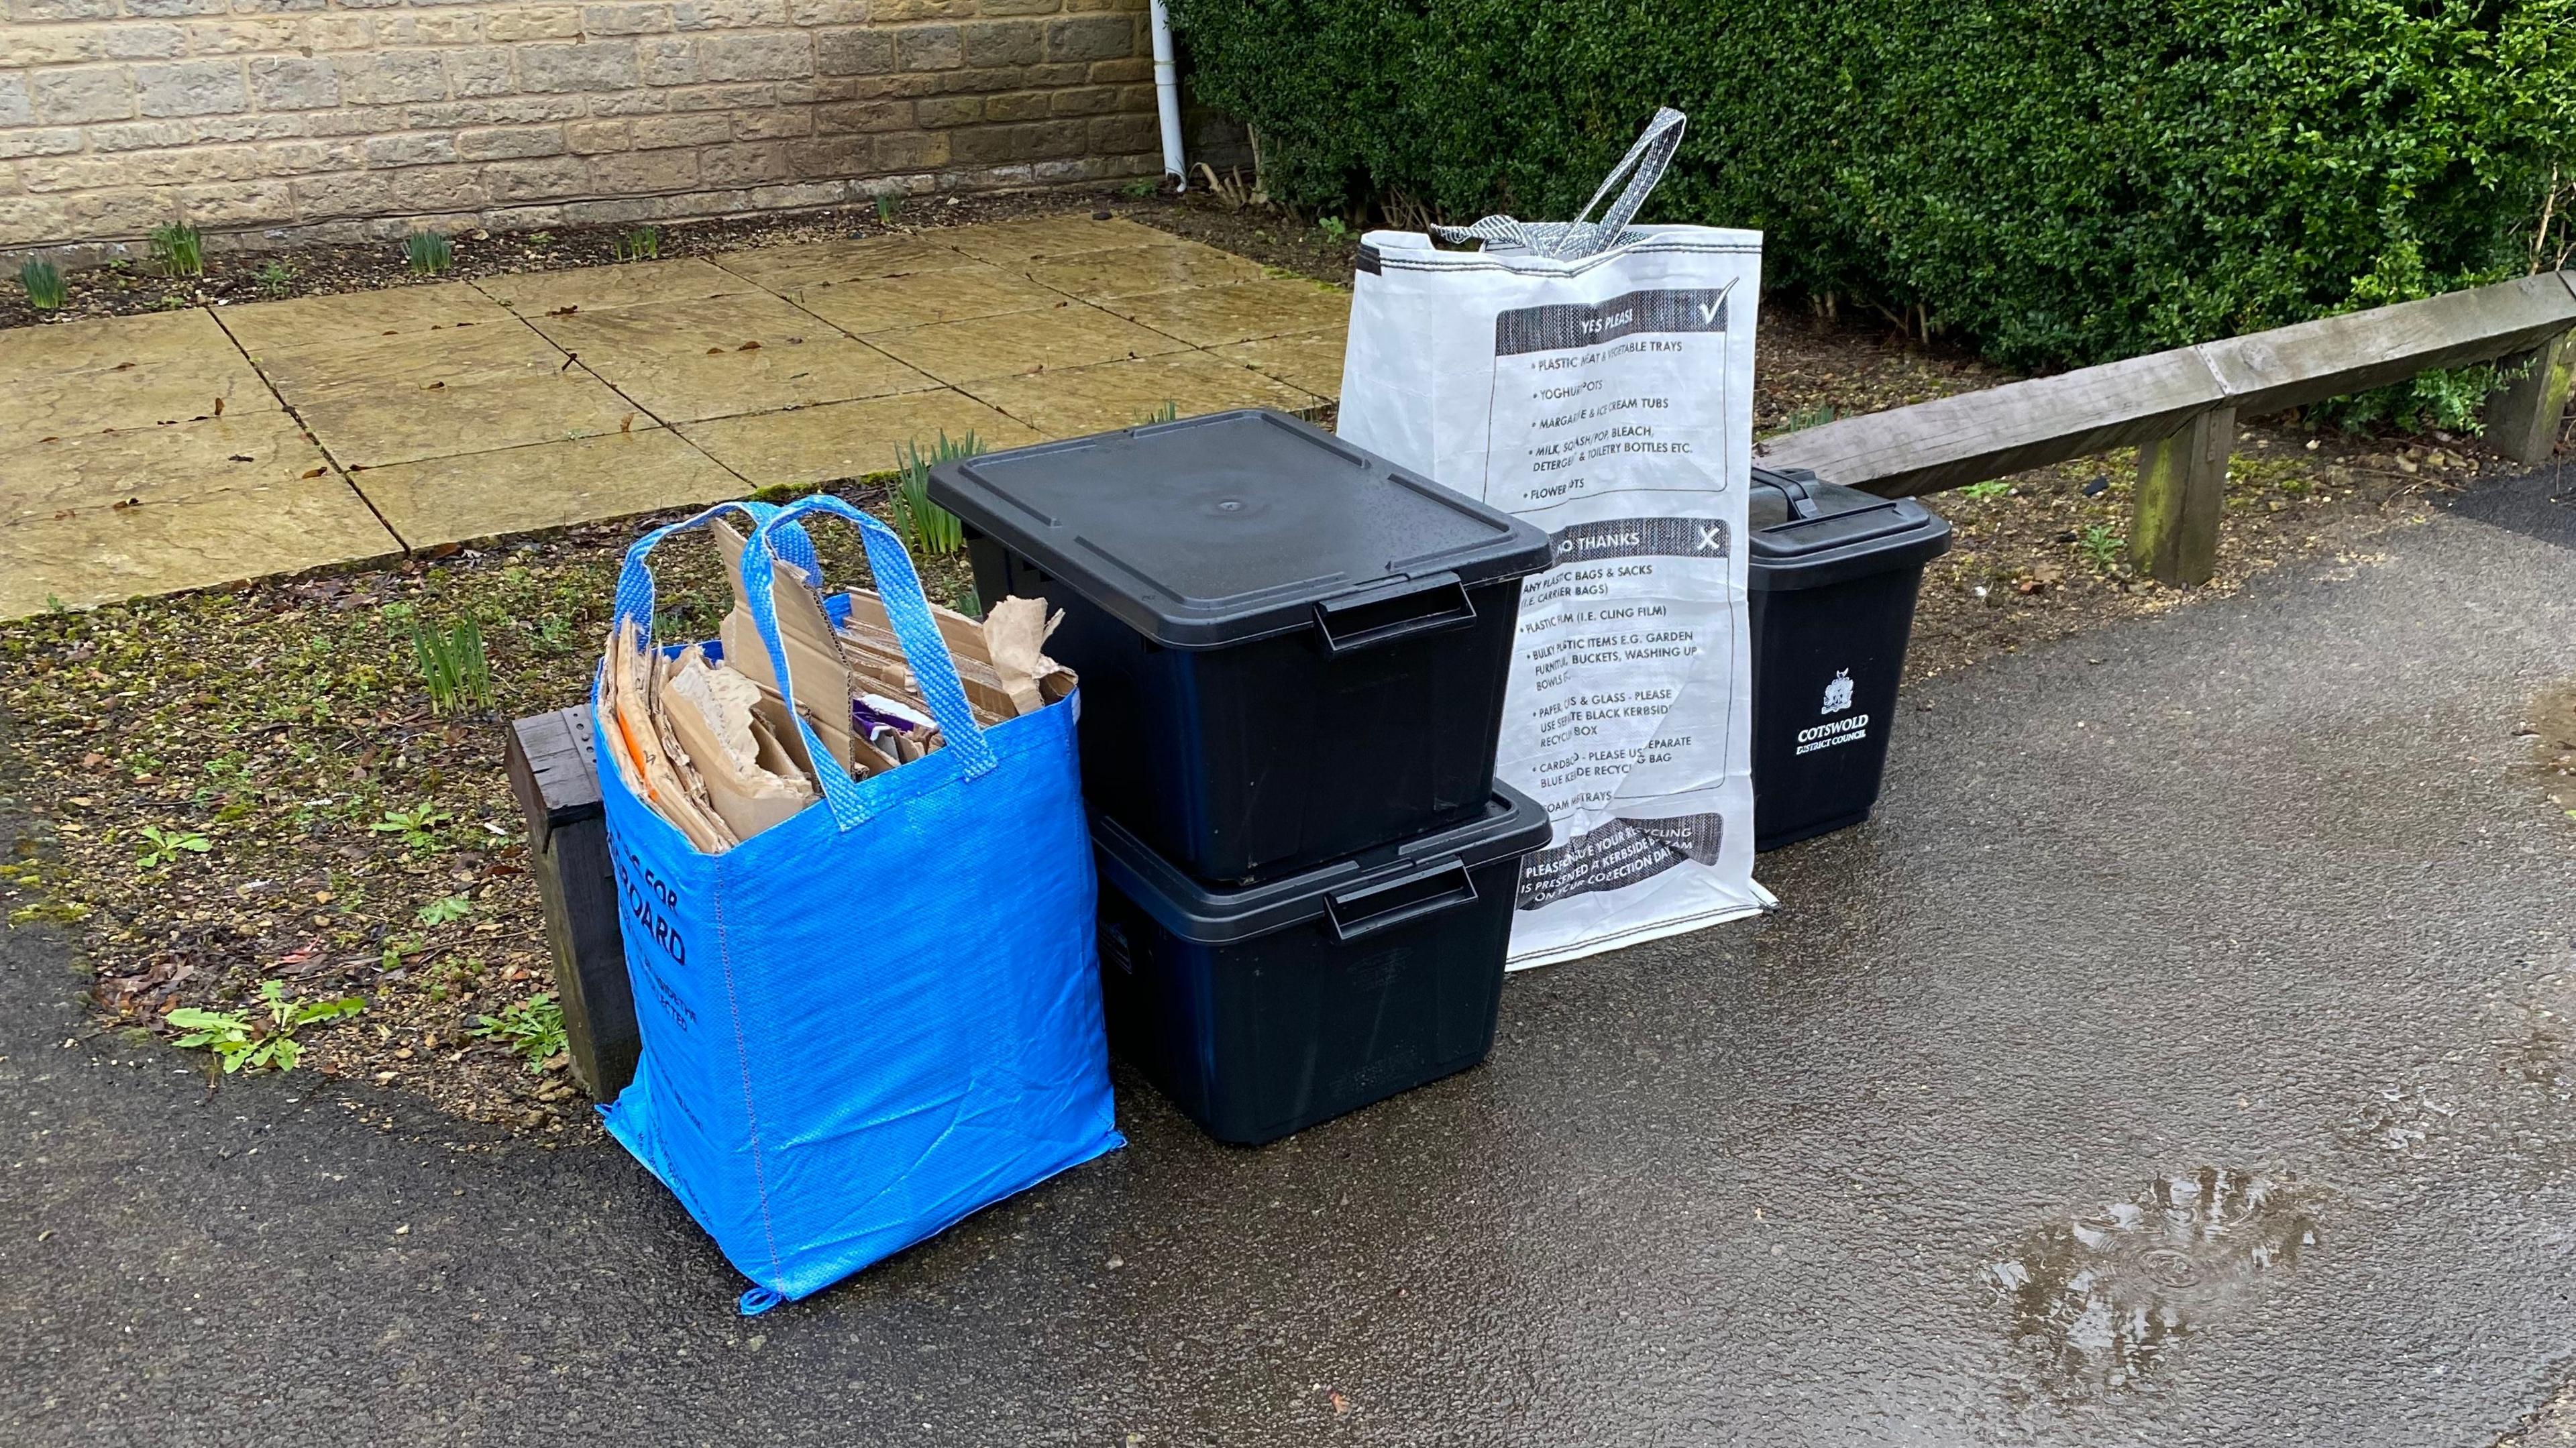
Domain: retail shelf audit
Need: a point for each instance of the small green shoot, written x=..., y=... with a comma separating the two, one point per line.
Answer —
x=277, y=278
x=452, y=665
x=926, y=527
x=1989, y=489
x=447, y=909
x=1137, y=190
x=1334, y=228
x=534, y=1029
x=1170, y=411
x=2102, y=546
x=159, y=847
x=541, y=238
x=1815, y=414
x=241, y=1043
x=418, y=826
x=644, y=243
x=427, y=253
x=968, y=601
x=887, y=205
x=179, y=250
x=44, y=283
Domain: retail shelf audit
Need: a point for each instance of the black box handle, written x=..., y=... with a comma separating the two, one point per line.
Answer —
x=1383, y=615
x=1425, y=892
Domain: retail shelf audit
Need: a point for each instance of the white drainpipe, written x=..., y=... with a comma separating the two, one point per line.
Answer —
x=1167, y=97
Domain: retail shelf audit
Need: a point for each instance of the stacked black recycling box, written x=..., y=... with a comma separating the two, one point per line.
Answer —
x=1292, y=657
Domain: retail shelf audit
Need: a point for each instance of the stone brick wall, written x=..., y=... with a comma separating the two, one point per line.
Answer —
x=280, y=120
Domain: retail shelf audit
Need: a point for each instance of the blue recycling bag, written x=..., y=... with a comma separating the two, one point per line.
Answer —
x=883, y=1014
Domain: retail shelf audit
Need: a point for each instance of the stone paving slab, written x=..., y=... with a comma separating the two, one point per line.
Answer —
x=1019, y=343
x=123, y=372
x=865, y=306
x=1072, y=401
x=850, y=439
x=1311, y=361
x=1129, y=271
x=108, y=515
x=1239, y=312
x=181, y=450
x=521, y=489
x=534, y=294
x=687, y=361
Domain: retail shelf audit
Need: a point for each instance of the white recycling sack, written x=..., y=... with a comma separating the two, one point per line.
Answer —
x=1597, y=380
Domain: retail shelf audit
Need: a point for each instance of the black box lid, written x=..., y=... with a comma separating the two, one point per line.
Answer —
x=1389, y=885
x=1217, y=530
x=1801, y=532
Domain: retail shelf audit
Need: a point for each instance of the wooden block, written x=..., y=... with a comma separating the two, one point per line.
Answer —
x=1953, y=441
x=2182, y=489
x=598, y=998
x=555, y=775
x=2293, y=366
x=552, y=770
x=2524, y=415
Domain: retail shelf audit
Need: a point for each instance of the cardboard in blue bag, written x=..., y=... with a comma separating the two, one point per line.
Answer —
x=866, y=1022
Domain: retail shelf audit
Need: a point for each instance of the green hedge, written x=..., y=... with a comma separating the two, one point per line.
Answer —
x=2061, y=183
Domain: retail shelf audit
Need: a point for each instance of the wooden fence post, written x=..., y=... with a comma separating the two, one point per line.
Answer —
x=2525, y=414
x=2182, y=487
x=557, y=784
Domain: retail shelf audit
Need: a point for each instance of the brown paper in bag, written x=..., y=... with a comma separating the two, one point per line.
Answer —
x=813, y=657
x=710, y=710
x=1015, y=635
x=638, y=735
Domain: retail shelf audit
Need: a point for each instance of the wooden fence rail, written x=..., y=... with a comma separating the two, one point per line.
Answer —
x=2179, y=408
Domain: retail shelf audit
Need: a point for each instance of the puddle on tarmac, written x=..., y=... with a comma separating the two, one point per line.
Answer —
x=2549, y=722
x=2104, y=1298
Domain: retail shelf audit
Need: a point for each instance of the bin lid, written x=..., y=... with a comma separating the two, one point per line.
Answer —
x=1511, y=825
x=1217, y=530
x=1803, y=532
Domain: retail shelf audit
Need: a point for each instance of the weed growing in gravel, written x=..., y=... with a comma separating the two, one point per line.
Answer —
x=533, y=1028
x=1170, y=411
x=927, y=527
x=159, y=847
x=444, y=910
x=427, y=253
x=277, y=278
x=242, y=1043
x=1985, y=491
x=2102, y=546
x=418, y=826
x=644, y=243
x=1137, y=190
x=887, y=205
x=1812, y=415
x=179, y=250
x=454, y=976
x=452, y=665
x=44, y=283
x=1334, y=228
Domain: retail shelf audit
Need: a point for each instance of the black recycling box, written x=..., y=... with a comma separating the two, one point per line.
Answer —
x=1290, y=649
x=1833, y=573
x=1262, y=1009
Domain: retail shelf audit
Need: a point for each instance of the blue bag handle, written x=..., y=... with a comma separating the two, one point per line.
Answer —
x=635, y=579
x=907, y=608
